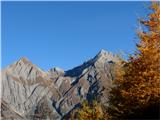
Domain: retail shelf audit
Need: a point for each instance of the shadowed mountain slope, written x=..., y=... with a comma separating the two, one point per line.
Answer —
x=33, y=93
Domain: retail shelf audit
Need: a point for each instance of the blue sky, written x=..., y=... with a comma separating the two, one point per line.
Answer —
x=65, y=34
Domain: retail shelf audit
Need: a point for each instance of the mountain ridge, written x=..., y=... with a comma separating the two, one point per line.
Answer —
x=24, y=59
x=28, y=88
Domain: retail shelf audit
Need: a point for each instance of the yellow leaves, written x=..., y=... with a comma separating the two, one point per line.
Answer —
x=142, y=85
x=91, y=111
x=155, y=6
x=153, y=16
x=139, y=85
x=145, y=73
x=124, y=93
x=150, y=23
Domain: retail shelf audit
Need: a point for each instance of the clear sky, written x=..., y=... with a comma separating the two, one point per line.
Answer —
x=65, y=34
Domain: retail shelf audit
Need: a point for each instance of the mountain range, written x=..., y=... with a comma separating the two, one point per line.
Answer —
x=29, y=92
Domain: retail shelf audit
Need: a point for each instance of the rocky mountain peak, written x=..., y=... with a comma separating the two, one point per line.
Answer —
x=100, y=59
x=24, y=60
x=24, y=71
x=56, y=71
x=104, y=56
x=103, y=52
x=27, y=89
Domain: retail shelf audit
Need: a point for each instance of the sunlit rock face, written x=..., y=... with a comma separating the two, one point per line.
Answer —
x=28, y=92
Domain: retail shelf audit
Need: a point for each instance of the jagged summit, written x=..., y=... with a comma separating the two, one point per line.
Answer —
x=57, y=71
x=24, y=70
x=104, y=56
x=24, y=60
x=101, y=58
x=31, y=91
x=103, y=52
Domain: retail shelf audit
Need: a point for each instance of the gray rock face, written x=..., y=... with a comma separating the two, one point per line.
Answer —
x=56, y=72
x=35, y=94
x=23, y=86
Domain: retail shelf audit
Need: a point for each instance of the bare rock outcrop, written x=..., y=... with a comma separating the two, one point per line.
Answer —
x=23, y=86
x=28, y=92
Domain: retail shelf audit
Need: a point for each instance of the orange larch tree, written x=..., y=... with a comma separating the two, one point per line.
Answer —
x=91, y=111
x=137, y=85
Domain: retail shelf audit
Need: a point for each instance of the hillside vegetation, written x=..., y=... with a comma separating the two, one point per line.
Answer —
x=136, y=91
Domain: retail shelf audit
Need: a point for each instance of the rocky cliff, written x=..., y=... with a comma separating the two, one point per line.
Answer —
x=31, y=93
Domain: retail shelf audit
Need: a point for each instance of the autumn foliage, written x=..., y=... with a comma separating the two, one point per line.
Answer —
x=137, y=86
x=91, y=111
x=136, y=89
